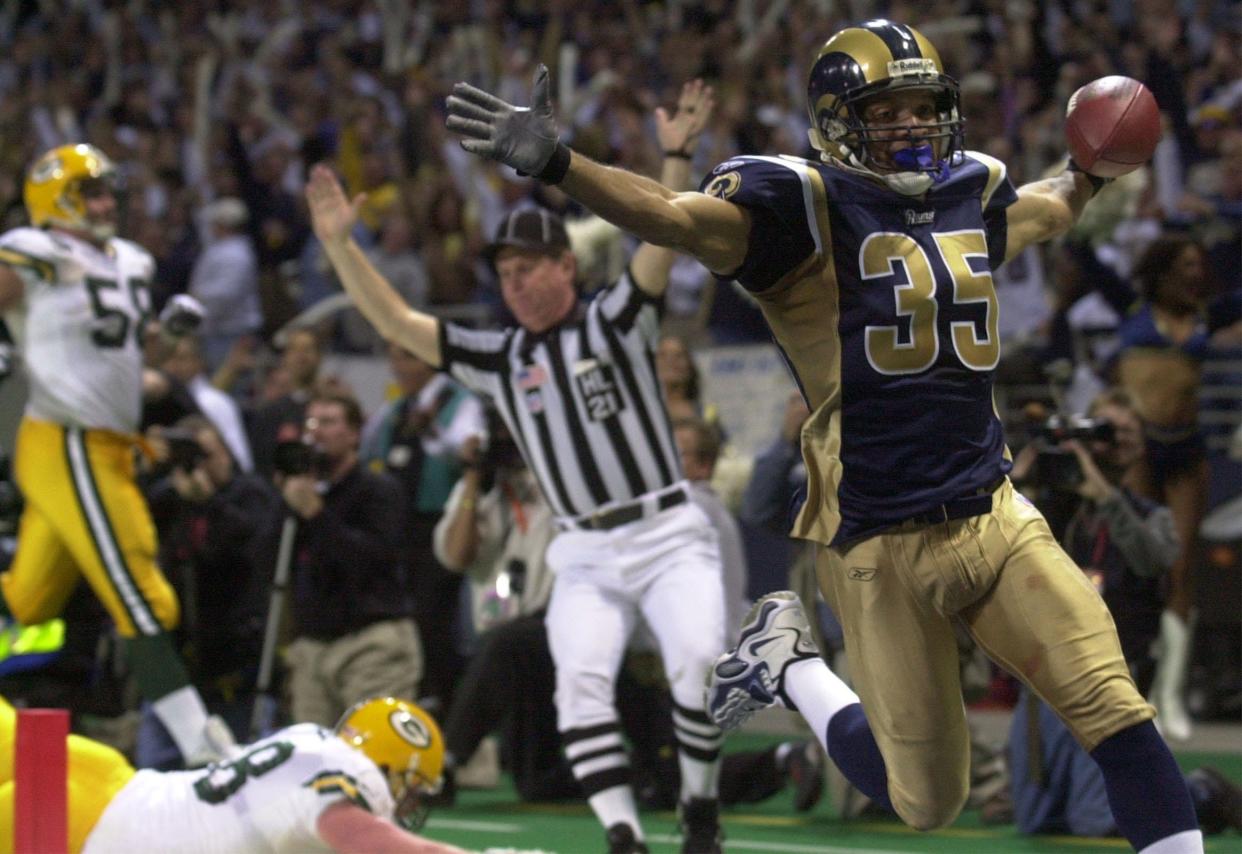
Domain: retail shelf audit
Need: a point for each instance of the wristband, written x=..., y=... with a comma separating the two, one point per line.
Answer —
x=557, y=166
x=680, y=154
x=1096, y=181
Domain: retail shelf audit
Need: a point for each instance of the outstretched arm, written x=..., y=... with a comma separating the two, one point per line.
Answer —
x=1047, y=208
x=333, y=217
x=349, y=829
x=678, y=135
x=712, y=230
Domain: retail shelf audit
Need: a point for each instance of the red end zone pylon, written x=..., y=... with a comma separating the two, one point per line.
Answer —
x=40, y=774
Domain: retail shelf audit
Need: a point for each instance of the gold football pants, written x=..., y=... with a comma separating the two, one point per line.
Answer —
x=1025, y=603
x=85, y=517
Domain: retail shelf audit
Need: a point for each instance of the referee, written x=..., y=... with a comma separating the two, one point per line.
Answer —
x=577, y=387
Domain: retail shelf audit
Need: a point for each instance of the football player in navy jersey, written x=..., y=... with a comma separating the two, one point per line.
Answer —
x=873, y=267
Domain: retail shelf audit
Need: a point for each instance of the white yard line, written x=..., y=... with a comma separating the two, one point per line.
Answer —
x=480, y=826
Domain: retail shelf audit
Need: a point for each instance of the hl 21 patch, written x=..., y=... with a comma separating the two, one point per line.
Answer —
x=598, y=387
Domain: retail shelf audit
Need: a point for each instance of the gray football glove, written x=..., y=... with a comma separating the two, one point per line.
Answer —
x=522, y=137
x=182, y=315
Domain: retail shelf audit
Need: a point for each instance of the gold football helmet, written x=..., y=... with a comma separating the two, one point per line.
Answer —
x=872, y=58
x=406, y=744
x=55, y=184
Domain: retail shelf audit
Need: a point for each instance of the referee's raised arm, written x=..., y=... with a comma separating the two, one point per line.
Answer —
x=333, y=216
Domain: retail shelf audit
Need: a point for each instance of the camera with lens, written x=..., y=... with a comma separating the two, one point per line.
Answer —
x=294, y=457
x=1057, y=468
x=1063, y=428
x=501, y=451
x=184, y=451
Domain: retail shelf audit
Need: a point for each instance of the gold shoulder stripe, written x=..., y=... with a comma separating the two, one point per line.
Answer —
x=996, y=174
x=331, y=782
x=45, y=270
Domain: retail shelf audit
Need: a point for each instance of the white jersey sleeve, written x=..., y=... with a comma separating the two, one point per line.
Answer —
x=80, y=326
x=268, y=800
x=321, y=771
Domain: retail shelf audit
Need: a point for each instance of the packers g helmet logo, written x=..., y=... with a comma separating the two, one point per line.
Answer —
x=46, y=169
x=724, y=186
x=410, y=728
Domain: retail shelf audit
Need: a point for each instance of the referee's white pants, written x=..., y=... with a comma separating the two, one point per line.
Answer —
x=666, y=568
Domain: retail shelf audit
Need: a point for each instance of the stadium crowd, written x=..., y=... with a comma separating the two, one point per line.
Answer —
x=214, y=113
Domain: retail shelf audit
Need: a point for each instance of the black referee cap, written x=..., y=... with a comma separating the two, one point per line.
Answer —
x=530, y=228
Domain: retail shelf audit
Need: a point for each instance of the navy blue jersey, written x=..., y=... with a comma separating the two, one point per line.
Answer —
x=884, y=308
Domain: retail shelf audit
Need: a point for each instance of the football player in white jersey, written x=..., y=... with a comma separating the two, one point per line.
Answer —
x=76, y=300
x=360, y=788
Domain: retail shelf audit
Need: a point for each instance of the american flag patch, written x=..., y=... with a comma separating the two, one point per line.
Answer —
x=531, y=377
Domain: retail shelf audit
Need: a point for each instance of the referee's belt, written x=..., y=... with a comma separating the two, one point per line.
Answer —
x=615, y=517
x=959, y=508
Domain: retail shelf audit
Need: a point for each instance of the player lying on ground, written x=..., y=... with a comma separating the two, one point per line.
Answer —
x=873, y=269
x=357, y=789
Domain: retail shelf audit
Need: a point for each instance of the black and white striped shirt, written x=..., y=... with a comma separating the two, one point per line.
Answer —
x=582, y=400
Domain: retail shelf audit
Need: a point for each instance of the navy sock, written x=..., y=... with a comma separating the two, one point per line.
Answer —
x=1146, y=790
x=852, y=747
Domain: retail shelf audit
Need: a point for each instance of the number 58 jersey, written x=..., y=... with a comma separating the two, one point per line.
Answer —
x=884, y=308
x=268, y=800
x=80, y=326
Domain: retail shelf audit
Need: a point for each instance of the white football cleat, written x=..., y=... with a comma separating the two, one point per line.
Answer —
x=750, y=676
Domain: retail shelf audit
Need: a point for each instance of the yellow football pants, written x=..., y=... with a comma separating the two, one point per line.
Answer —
x=84, y=516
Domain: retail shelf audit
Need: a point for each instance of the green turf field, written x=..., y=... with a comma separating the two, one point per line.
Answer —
x=495, y=819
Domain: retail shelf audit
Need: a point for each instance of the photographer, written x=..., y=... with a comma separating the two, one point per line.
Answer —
x=355, y=637
x=418, y=439
x=1125, y=544
x=211, y=519
x=496, y=529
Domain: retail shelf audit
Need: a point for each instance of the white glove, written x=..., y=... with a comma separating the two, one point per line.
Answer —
x=182, y=315
x=522, y=137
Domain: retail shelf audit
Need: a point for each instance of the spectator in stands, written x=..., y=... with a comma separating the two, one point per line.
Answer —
x=1163, y=343
x=394, y=256
x=419, y=439
x=185, y=364
x=1124, y=543
x=225, y=279
x=281, y=419
x=450, y=246
x=212, y=520
x=354, y=636
x=778, y=474
x=679, y=378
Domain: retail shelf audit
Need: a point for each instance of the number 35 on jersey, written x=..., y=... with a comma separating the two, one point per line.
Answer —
x=912, y=343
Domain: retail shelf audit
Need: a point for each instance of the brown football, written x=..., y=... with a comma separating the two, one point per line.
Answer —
x=1112, y=126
